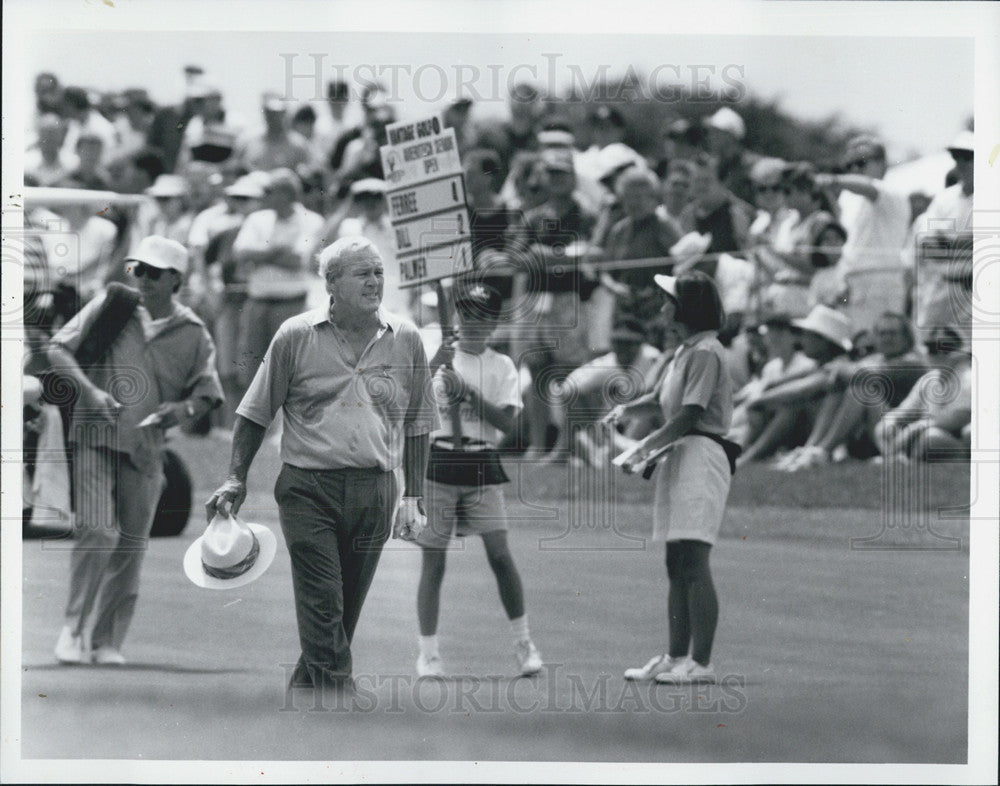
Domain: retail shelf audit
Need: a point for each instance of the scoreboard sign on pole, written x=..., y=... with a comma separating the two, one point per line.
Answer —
x=426, y=195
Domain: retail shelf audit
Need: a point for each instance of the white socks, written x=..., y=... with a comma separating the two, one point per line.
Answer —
x=519, y=628
x=429, y=646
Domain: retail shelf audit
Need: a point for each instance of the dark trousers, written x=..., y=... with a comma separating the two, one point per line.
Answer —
x=335, y=523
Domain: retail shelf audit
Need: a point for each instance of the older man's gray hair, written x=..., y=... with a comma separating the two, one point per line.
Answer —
x=336, y=256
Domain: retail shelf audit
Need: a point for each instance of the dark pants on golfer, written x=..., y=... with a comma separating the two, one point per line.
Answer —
x=335, y=524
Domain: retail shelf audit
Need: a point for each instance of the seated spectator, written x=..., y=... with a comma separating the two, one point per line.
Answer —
x=591, y=391
x=641, y=234
x=47, y=164
x=784, y=362
x=275, y=246
x=714, y=210
x=860, y=393
x=936, y=416
x=767, y=177
x=791, y=406
x=814, y=241
x=676, y=191
x=681, y=142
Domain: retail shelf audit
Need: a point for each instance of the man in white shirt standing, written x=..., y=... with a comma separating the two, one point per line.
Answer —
x=876, y=217
x=943, y=246
x=275, y=245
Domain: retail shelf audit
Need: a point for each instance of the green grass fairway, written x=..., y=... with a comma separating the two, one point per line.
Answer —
x=826, y=652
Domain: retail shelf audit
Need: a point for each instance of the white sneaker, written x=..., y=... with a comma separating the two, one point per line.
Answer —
x=430, y=667
x=687, y=672
x=529, y=660
x=654, y=666
x=69, y=648
x=108, y=656
x=784, y=460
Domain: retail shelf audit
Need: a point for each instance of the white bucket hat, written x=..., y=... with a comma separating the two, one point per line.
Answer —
x=828, y=323
x=230, y=554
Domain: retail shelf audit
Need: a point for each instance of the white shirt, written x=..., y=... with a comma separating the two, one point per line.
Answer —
x=496, y=378
x=876, y=231
x=262, y=231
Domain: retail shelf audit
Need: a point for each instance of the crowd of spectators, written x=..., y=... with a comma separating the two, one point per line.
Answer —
x=814, y=266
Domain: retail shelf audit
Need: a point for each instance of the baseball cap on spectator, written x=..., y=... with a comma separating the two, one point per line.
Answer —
x=284, y=178
x=161, y=252
x=725, y=119
x=475, y=299
x=558, y=160
x=828, y=323
x=767, y=170
x=615, y=157
x=246, y=186
x=271, y=102
x=963, y=143
x=369, y=186
x=168, y=186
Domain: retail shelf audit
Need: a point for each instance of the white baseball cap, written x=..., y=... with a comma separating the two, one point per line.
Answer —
x=725, y=119
x=161, y=252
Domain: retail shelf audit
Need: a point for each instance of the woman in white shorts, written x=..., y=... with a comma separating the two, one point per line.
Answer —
x=692, y=480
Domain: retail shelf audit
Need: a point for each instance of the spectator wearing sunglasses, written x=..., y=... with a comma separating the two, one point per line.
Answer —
x=159, y=372
x=876, y=217
x=943, y=246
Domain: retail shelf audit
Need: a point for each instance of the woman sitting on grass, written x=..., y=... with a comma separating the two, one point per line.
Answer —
x=935, y=418
x=792, y=407
x=860, y=393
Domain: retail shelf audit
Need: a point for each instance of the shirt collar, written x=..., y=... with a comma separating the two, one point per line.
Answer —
x=696, y=338
x=386, y=321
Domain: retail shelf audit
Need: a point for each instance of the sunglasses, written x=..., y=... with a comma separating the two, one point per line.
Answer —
x=768, y=189
x=962, y=155
x=858, y=163
x=142, y=269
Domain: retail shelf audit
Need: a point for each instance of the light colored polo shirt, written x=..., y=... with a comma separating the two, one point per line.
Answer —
x=338, y=413
x=698, y=375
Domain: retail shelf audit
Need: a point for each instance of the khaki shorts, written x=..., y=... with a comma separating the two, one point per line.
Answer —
x=467, y=509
